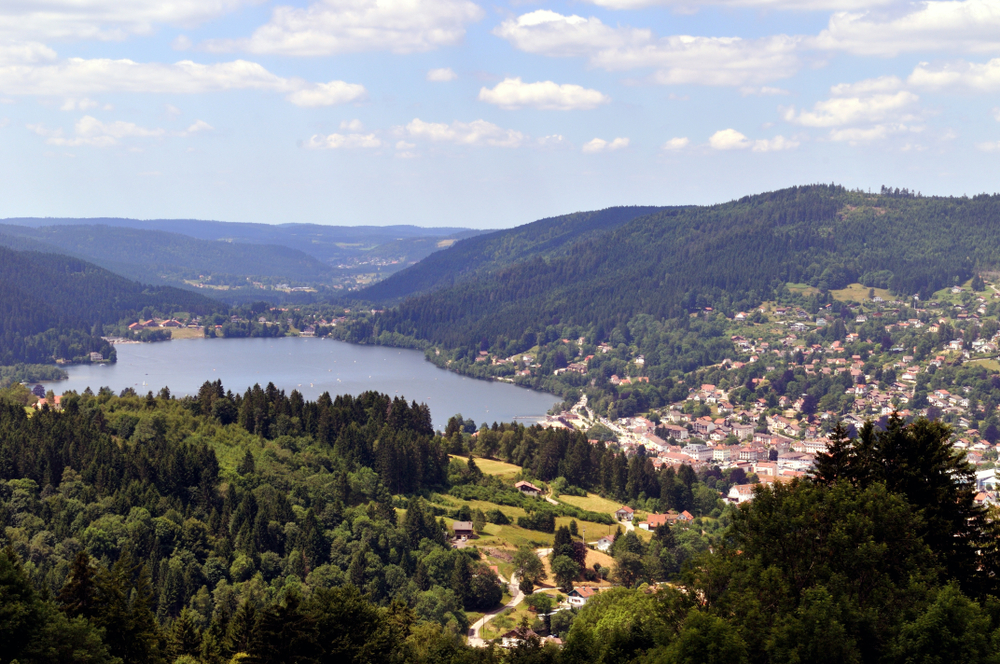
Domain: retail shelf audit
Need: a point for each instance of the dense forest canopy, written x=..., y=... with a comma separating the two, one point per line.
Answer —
x=54, y=306
x=735, y=255
x=487, y=253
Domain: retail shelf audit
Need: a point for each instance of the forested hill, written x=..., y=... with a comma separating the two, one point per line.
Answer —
x=484, y=254
x=50, y=305
x=154, y=256
x=730, y=256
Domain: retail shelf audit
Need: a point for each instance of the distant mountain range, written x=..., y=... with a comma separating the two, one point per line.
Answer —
x=236, y=262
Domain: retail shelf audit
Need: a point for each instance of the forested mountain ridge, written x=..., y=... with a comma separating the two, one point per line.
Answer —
x=50, y=305
x=329, y=244
x=160, y=256
x=733, y=256
x=487, y=253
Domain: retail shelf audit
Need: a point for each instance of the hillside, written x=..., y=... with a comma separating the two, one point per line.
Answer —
x=330, y=244
x=732, y=256
x=51, y=304
x=487, y=253
x=158, y=256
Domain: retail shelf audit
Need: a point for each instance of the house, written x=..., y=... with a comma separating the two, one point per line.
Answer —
x=625, y=513
x=463, y=529
x=740, y=493
x=517, y=636
x=579, y=596
x=42, y=403
x=604, y=544
x=528, y=489
x=675, y=432
x=654, y=521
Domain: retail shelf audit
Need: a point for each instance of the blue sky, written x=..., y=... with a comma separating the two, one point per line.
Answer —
x=487, y=115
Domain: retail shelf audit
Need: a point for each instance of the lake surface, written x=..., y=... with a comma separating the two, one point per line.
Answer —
x=311, y=366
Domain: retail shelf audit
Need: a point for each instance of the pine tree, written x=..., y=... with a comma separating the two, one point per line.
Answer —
x=241, y=628
x=461, y=579
x=285, y=635
x=834, y=464
x=185, y=637
x=78, y=596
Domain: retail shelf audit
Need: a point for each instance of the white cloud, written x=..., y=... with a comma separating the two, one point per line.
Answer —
x=762, y=91
x=346, y=26
x=996, y=113
x=601, y=145
x=90, y=131
x=989, y=147
x=105, y=19
x=403, y=145
x=442, y=75
x=4, y=122
x=78, y=104
x=676, y=144
x=687, y=6
x=678, y=59
x=855, y=135
x=553, y=141
x=328, y=94
x=730, y=139
x=840, y=111
x=172, y=110
x=959, y=74
x=960, y=25
x=512, y=93
x=354, y=125
x=476, y=133
x=15, y=52
x=77, y=76
x=197, y=127
x=338, y=141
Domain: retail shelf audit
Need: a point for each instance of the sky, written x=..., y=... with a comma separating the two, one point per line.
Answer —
x=484, y=114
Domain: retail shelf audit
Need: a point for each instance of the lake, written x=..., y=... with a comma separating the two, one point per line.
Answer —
x=311, y=366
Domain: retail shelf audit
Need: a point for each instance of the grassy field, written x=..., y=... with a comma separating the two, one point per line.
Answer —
x=592, y=502
x=491, y=467
x=802, y=289
x=991, y=365
x=187, y=333
x=859, y=293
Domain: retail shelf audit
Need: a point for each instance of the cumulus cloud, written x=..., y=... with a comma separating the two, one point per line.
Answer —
x=442, y=75
x=861, y=112
x=105, y=19
x=19, y=52
x=512, y=93
x=991, y=146
x=89, y=131
x=354, y=125
x=763, y=91
x=328, y=94
x=679, y=59
x=339, y=141
x=476, y=133
x=78, y=104
x=960, y=25
x=796, y=5
x=347, y=26
x=676, y=144
x=959, y=74
x=601, y=145
x=198, y=127
x=852, y=110
x=730, y=139
x=77, y=77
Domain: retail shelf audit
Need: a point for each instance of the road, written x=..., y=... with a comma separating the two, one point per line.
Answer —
x=475, y=640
